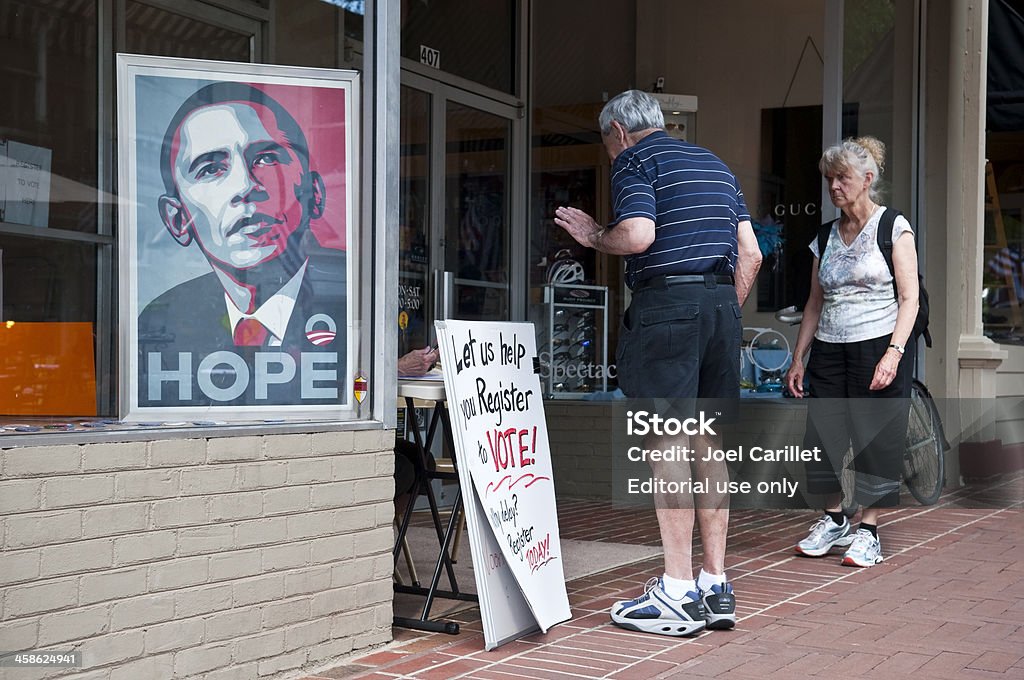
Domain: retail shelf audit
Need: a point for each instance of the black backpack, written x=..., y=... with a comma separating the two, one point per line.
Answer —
x=885, y=225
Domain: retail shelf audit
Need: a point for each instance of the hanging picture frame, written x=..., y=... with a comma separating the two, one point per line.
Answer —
x=236, y=224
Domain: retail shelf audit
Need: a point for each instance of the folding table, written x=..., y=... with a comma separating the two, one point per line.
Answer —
x=431, y=391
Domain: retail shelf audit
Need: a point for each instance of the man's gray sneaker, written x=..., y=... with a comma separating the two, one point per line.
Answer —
x=825, y=534
x=866, y=550
x=719, y=607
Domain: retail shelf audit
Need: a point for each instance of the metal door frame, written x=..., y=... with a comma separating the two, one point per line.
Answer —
x=441, y=92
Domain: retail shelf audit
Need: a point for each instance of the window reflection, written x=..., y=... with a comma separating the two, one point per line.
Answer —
x=150, y=30
x=414, y=221
x=1003, y=273
x=474, y=40
x=48, y=62
x=477, y=212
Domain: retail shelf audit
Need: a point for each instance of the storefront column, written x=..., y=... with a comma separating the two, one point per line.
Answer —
x=973, y=378
x=977, y=356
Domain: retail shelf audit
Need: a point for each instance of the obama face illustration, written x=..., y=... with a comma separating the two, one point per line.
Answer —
x=266, y=325
x=236, y=169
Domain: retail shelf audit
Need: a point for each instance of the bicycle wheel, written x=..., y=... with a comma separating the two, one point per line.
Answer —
x=848, y=482
x=924, y=459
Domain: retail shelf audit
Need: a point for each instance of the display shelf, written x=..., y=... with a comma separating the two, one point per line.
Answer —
x=576, y=347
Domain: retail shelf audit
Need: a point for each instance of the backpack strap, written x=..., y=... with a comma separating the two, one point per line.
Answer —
x=884, y=238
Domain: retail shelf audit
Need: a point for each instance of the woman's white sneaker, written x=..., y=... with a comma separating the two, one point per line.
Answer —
x=865, y=551
x=825, y=534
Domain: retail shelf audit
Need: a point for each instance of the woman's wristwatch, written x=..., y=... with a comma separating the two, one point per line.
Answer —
x=899, y=348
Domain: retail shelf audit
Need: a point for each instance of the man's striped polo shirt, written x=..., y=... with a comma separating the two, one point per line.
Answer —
x=694, y=200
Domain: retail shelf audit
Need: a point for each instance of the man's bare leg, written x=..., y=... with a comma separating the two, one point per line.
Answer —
x=713, y=507
x=670, y=608
x=713, y=517
x=676, y=527
x=675, y=512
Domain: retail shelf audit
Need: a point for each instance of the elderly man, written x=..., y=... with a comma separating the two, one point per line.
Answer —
x=267, y=325
x=691, y=258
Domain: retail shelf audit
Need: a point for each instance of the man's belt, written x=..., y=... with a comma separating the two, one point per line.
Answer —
x=709, y=279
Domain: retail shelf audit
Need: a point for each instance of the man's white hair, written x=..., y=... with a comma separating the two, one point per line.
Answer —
x=634, y=110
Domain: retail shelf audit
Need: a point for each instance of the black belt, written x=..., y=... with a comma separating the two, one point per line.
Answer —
x=709, y=279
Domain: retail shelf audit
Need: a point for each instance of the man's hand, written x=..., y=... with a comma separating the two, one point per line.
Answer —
x=631, y=236
x=579, y=224
x=418, y=361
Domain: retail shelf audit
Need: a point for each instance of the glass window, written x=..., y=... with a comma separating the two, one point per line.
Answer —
x=35, y=287
x=48, y=209
x=151, y=30
x=48, y=125
x=788, y=217
x=474, y=40
x=317, y=33
x=878, y=87
x=414, y=222
x=1003, y=274
x=477, y=212
x=237, y=229
x=58, y=277
x=877, y=91
x=570, y=167
x=48, y=343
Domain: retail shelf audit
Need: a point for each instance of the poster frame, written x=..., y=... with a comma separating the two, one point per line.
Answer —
x=130, y=68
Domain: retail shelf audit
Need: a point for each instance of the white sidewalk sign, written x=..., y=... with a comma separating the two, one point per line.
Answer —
x=501, y=442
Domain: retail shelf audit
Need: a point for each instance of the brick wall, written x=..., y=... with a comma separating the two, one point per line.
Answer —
x=580, y=435
x=232, y=557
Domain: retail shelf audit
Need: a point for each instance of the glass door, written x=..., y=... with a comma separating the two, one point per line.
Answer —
x=477, y=213
x=455, y=208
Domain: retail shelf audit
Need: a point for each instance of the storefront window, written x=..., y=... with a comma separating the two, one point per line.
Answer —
x=473, y=40
x=151, y=30
x=47, y=329
x=573, y=72
x=788, y=215
x=48, y=125
x=1003, y=273
x=37, y=289
x=49, y=246
x=60, y=316
x=879, y=87
x=877, y=100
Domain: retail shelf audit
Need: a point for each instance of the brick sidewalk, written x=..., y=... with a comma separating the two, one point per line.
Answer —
x=948, y=602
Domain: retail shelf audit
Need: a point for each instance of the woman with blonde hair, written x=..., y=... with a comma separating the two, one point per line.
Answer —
x=856, y=330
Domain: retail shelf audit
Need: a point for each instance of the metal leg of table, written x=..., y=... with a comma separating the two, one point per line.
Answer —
x=445, y=539
x=424, y=622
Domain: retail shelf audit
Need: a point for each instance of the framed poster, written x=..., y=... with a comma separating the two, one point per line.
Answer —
x=235, y=225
